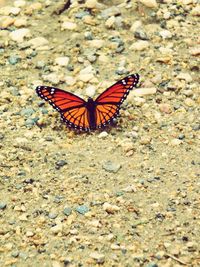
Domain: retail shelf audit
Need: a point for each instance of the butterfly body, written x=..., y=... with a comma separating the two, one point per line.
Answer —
x=91, y=114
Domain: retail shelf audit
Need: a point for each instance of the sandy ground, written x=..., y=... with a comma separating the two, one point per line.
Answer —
x=124, y=196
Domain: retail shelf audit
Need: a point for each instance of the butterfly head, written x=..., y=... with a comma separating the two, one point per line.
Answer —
x=90, y=100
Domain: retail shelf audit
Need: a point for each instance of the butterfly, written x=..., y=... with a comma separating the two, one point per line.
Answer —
x=91, y=114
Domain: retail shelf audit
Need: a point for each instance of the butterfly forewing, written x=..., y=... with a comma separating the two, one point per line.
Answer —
x=71, y=107
x=108, y=103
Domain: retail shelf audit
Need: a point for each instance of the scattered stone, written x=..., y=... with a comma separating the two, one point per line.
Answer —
x=13, y=60
x=21, y=22
x=130, y=189
x=57, y=228
x=185, y=76
x=140, y=34
x=195, y=51
x=110, y=166
x=103, y=135
x=53, y=78
x=38, y=42
x=145, y=140
x=189, y=102
x=176, y=142
x=139, y=45
x=3, y=205
x=196, y=11
x=96, y=43
x=62, y=61
x=90, y=91
x=111, y=11
x=149, y=3
x=165, y=34
x=142, y=91
x=67, y=211
x=19, y=3
x=52, y=215
x=165, y=108
x=82, y=209
x=110, y=208
x=19, y=35
x=98, y=257
x=68, y=25
x=60, y=163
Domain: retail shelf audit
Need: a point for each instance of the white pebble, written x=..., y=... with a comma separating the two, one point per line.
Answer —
x=99, y=257
x=15, y=10
x=96, y=43
x=110, y=22
x=19, y=35
x=139, y=45
x=52, y=78
x=165, y=34
x=195, y=51
x=144, y=91
x=62, y=61
x=110, y=208
x=38, y=42
x=57, y=228
x=175, y=142
x=70, y=80
x=185, y=76
x=19, y=3
x=136, y=25
x=149, y=3
x=90, y=91
x=21, y=22
x=196, y=11
x=103, y=135
x=91, y=3
x=68, y=25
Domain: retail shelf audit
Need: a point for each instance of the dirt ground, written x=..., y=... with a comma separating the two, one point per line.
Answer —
x=127, y=195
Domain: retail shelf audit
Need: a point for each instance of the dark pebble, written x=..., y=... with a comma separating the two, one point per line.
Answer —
x=3, y=205
x=81, y=14
x=82, y=209
x=181, y=136
x=67, y=211
x=196, y=127
x=110, y=166
x=152, y=264
x=58, y=199
x=61, y=163
x=139, y=34
x=2, y=136
x=27, y=112
x=13, y=60
x=15, y=254
x=53, y=215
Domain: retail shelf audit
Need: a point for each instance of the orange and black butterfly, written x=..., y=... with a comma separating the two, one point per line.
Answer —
x=91, y=114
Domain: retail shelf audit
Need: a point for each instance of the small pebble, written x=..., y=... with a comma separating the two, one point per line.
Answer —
x=19, y=35
x=139, y=45
x=67, y=25
x=103, y=135
x=90, y=91
x=82, y=209
x=67, y=211
x=110, y=208
x=57, y=228
x=110, y=166
x=3, y=205
x=62, y=61
x=98, y=257
x=165, y=108
x=13, y=60
x=149, y=3
x=140, y=34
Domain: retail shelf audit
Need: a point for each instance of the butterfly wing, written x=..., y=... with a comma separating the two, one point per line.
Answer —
x=108, y=103
x=71, y=107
